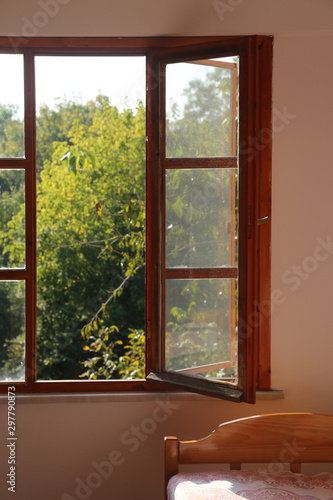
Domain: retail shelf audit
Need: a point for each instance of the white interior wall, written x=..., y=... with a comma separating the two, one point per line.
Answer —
x=60, y=439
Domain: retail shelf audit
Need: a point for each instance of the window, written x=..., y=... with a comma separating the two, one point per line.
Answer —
x=93, y=220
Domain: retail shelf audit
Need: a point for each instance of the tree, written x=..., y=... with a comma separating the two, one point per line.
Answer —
x=12, y=196
x=11, y=132
x=91, y=241
x=91, y=217
x=55, y=125
x=200, y=225
x=12, y=330
x=91, y=233
x=194, y=233
x=11, y=293
x=203, y=127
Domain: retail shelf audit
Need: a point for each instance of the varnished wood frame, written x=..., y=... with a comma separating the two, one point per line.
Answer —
x=286, y=438
x=152, y=48
x=255, y=115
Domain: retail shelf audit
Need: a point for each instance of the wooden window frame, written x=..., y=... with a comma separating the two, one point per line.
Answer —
x=256, y=51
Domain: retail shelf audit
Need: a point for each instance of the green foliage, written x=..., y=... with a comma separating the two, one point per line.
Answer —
x=132, y=364
x=11, y=133
x=14, y=366
x=12, y=328
x=12, y=195
x=91, y=214
x=102, y=346
x=197, y=323
x=12, y=251
x=203, y=128
x=91, y=235
x=107, y=360
x=198, y=216
x=200, y=226
x=55, y=125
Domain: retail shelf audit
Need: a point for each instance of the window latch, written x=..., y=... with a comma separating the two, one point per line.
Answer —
x=262, y=220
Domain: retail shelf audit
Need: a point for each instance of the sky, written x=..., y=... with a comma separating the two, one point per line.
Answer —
x=83, y=77
x=71, y=77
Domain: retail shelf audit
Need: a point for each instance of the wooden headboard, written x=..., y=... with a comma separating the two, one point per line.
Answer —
x=292, y=438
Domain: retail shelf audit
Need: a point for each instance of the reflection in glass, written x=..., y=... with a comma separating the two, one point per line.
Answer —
x=200, y=327
x=201, y=218
x=12, y=330
x=11, y=106
x=12, y=218
x=201, y=108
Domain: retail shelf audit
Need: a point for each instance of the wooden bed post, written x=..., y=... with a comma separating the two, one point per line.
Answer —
x=171, y=449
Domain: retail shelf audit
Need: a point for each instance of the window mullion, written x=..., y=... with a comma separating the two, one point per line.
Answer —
x=30, y=147
x=154, y=218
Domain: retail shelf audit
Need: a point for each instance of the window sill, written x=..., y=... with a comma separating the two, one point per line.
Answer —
x=121, y=397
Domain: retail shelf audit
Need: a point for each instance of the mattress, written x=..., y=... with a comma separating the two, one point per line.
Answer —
x=231, y=485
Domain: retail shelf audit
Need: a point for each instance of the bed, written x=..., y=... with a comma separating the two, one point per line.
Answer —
x=275, y=440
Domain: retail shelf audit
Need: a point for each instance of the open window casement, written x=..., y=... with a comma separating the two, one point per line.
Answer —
x=207, y=259
x=205, y=184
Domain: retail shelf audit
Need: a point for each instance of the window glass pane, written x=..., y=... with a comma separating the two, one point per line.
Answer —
x=12, y=330
x=11, y=106
x=91, y=134
x=201, y=212
x=200, y=333
x=201, y=108
x=12, y=218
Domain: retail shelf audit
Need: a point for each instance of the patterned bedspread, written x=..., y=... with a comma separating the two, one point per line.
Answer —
x=231, y=485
